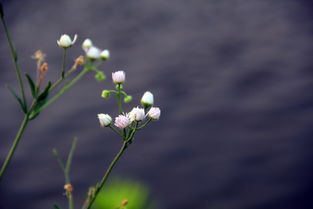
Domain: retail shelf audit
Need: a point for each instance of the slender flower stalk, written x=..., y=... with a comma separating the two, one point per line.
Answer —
x=63, y=63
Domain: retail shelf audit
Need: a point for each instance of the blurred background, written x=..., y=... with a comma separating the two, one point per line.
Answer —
x=234, y=80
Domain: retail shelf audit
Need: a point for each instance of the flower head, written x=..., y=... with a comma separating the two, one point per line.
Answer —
x=137, y=114
x=118, y=77
x=147, y=99
x=65, y=41
x=93, y=53
x=104, y=119
x=87, y=44
x=105, y=54
x=154, y=113
x=122, y=121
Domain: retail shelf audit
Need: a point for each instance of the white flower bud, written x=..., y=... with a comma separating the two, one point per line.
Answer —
x=154, y=113
x=105, y=54
x=137, y=114
x=87, y=44
x=93, y=53
x=122, y=121
x=147, y=99
x=65, y=41
x=118, y=77
x=104, y=119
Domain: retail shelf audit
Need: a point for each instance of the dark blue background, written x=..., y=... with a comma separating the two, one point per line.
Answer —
x=234, y=80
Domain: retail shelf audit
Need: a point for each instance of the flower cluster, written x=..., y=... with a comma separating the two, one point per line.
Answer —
x=134, y=120
x=93, y=52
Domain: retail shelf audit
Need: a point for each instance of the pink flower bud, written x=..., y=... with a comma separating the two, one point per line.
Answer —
x=122, y=121
x=118, y=77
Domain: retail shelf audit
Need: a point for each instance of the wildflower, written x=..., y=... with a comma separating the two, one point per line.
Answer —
x=93, y=53
x=137, y=114
x=122, y=121
x=104, y=119
x=118, y=77
x=147, y=99
x=105, y=54
x=65, y=41
x=154, y=113
x=87, y=44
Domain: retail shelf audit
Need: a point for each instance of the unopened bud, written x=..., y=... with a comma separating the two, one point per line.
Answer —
x=147, y=99
x=100, y=76
x=105, y=94
x=105, y=54
x=128, y=99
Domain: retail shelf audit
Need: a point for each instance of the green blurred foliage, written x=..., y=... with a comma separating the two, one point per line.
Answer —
x=118, y=190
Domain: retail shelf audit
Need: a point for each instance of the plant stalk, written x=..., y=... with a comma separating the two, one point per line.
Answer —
x=14, y=59
x=106, y=175
x=14, y=146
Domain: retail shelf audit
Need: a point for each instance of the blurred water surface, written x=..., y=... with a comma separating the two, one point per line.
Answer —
x=234, y=80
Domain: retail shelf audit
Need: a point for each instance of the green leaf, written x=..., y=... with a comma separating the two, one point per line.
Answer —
x=1, y=11
x=23, y=106
x=45, y=93
x=32, y=86
x=41, y=100
x=56, y=206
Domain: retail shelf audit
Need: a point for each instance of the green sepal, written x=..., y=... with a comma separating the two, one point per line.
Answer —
x=56, y=206
x=1, y=11
x=32, y=86
x=20, y=101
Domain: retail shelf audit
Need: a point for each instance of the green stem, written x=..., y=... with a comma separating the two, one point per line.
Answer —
x=106, y=175
x=14, y=58
x=14, y=146
x=65, y=88
x=63, y=63
x=118, y=95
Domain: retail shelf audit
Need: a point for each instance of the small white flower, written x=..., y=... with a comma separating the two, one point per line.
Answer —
x=93, y=53
x=147, y=99
x=65, y=41
x=87, y=44
x=137, y=114
x=118, y=77
x=105, y=54
x=154, y=113
x=104, y=119
x=122, y=121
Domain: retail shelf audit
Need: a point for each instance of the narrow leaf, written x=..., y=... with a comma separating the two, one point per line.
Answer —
x=32, y=86
x=24, y=109
x=45, y=92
